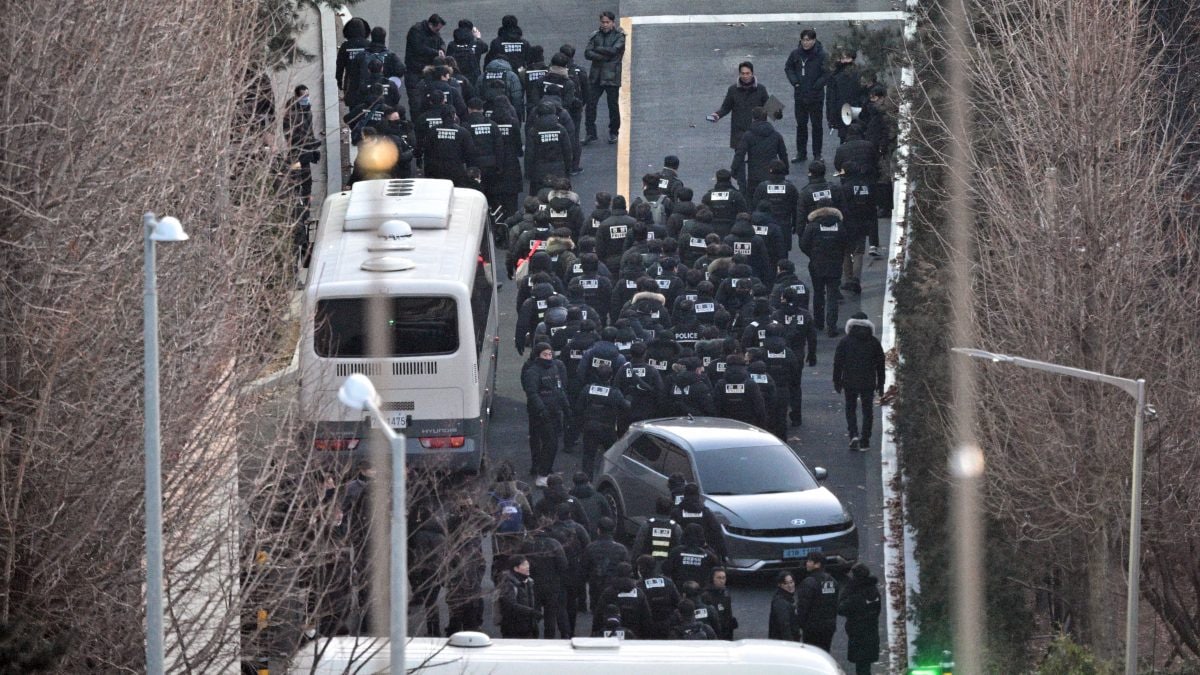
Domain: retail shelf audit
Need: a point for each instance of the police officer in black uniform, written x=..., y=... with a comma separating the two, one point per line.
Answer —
x=658, y=534
x=782, y=198
x=548, y=152
x=600, y=403
x=661, y=594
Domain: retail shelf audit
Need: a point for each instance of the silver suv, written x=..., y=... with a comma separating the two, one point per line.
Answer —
x=772, y=507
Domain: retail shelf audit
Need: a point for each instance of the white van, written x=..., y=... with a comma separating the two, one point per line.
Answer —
x=426, y=247
x=469, y=653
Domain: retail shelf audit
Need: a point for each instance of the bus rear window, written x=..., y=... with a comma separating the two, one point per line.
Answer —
x=416, y=326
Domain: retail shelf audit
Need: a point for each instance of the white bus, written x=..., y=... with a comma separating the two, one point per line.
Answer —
x=477, y=654
x=425, y=248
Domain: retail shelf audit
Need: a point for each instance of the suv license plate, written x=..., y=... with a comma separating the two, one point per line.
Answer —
x=793, y=553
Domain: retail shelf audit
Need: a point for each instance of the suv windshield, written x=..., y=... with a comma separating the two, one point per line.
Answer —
x=760, y=469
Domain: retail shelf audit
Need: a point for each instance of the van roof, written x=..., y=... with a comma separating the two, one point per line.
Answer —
x=445, y=247
x=579, y=655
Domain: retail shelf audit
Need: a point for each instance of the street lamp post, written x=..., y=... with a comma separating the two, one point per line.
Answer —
x=358, y=393
x=1136, y=389
x=153, y=229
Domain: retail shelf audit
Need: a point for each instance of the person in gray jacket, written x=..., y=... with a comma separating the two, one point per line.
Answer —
x=605, y=49
x=499, y=78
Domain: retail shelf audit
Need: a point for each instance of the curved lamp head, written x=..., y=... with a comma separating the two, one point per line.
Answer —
x=357, y=391
x=168, y=228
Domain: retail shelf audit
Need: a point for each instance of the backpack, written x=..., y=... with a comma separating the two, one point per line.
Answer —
x=369, y=57
x=658, y=210
x=509, y=518
x=380, y=57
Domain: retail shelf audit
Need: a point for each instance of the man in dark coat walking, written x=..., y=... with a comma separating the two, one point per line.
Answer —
x=858, y=372
x=346, y=68
x=754, y=152
x=824, y=242
x=548, y=149
x=860, y=604
x=544, y=382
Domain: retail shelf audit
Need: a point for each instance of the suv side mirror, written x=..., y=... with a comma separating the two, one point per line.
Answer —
x=820, y=473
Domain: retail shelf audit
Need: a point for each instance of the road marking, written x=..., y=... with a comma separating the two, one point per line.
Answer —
x=625, y=103
x=815, y=17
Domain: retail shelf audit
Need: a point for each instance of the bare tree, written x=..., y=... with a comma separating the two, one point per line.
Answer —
x=109, y=111
x=1087, y=248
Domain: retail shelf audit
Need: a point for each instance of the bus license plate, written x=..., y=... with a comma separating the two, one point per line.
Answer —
x=793, y=553
x=398, y=421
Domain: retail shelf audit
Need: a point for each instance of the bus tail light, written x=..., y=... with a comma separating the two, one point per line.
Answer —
x=335, y=444
x=441, y=442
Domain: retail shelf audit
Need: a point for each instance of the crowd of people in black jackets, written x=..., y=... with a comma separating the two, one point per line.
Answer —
x=510, y=125
x=559, y=558
x=679, y=306
x=677, y=302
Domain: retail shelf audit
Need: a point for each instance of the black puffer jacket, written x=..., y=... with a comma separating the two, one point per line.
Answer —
x=805, y=70
x=547, y=562
x=754, y=152
x=508, y=172
x=858, y=362
x=545, y=382
x=358, y=35
x=816, y=603
x=466, y=50
x=857, y=155
x=689, y=394
x=739, y=397
x=860, y=604
x=844, y=85
x=744, y=242
x=509, y=44
x=690, y=561
x=605, y=51
x=725, y=202
x=782, y=622
x=548, y=149
x=824, y=242
x=783, y=198
x=692, y=510
x=486, y=137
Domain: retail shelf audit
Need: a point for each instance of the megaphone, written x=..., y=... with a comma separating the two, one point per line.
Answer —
x=849, y=113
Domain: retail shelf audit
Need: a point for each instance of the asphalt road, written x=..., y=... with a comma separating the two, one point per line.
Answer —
x=679, y=74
